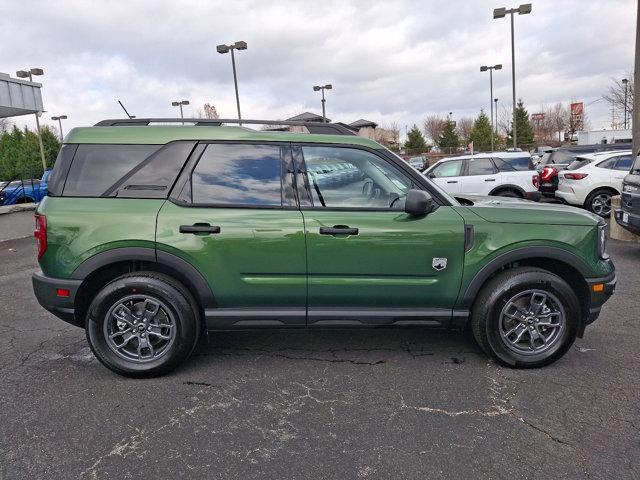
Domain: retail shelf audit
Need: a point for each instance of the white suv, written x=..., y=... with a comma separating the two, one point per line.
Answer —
x=592, y=179
x=499, y=173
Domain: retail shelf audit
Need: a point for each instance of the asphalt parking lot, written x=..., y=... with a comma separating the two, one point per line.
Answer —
x=331, y=404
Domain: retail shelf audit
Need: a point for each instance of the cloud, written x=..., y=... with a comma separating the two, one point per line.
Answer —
x=388, y=61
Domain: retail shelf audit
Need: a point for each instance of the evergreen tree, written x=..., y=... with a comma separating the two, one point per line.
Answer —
x=448, y=138
x=524, y=129
x=415, y=142
x=481, y=133
x=20, y=152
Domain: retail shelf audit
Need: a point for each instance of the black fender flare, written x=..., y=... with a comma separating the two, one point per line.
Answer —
x=507, y=186
x=553, y=253
x=151, y=255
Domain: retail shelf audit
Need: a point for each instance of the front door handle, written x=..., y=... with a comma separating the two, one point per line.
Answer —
x=338, y=230
x=489, y=179
x=452, y=181
x=200, y=228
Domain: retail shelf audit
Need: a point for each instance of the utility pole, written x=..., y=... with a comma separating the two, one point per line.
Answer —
x=635, y=114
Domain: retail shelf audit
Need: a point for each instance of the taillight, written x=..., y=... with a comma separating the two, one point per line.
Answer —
x=536, y=181
x=41, y=234
x=547, y=173
x=575, y=176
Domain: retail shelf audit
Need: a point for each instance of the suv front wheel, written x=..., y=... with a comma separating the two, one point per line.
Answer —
x=142, y=324
x=526, y=317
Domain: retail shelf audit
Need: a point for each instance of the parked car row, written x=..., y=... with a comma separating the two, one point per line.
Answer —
x=333, y=174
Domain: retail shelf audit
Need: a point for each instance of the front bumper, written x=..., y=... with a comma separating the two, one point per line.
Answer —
x=627, y=220
x=600, y=290
x=46, y=292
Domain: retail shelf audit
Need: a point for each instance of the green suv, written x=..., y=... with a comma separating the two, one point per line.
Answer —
x=155, y=234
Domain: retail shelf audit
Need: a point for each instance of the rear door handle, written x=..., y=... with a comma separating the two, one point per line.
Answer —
x=489, y=179
x=338, y=230
x=200, y=228
x=452, y=181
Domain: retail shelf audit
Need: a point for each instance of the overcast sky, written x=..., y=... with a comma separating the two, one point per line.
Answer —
x=387, y=60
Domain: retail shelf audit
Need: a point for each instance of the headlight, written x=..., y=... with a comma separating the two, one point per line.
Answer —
x=630, y=188
x=602, y=242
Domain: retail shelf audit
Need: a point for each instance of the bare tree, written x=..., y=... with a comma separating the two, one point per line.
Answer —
x=463, y=128
x=388, y=134
x=559, y=117
x=505, y=118
x=433, y=126
x=5, y=125
x=616, y=95
x=208, y=111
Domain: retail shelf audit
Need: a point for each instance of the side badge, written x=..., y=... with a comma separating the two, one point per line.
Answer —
x=439, y=263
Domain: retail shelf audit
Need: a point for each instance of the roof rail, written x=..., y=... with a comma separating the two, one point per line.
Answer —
x=312, y=127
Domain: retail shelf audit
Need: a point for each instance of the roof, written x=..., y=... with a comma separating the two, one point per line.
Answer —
x=363, y=123
x=161, y=134
x=610, y=153
x=308, y=117
x=490, y=154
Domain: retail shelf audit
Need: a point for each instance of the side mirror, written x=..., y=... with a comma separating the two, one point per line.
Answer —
x=431, y=175
x=418, y=202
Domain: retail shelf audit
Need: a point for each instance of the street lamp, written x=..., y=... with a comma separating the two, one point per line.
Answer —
x=180, y=104
x=29, y=74
x=501, y=13
x=484, y=68
x=230, y=48
x=495, y=100
x=322, y=88
x=625, y=82
x=59, y=118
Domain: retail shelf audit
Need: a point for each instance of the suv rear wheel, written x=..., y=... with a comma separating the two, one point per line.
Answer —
x=142, y=324
x=526, y=317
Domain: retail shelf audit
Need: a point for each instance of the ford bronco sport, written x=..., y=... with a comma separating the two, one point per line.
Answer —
x=153, y=234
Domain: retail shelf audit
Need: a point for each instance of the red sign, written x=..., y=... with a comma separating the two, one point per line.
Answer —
x=537, y=117
x=577, y=116
x=577, y=108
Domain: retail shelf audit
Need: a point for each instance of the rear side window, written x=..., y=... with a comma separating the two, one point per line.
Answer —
x=96, y=168
x=624, y=163
x=55, y=181
x=610, y=163
x=230, y=174
x=503, y=165
x=519, y=163
x=481, y=166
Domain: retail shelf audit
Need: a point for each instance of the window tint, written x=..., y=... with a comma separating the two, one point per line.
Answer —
x=624, y=163
x=519, y=163
x=96, y=167
x=238, y=175
x=609, y=163
x=481, y=166
x=504, y=166
x=448, y=169
x=352, y=178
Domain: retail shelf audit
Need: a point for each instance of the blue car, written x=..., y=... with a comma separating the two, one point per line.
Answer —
x=24, y=191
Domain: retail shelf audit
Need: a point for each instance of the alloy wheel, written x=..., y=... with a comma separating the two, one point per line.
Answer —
x=601, y=204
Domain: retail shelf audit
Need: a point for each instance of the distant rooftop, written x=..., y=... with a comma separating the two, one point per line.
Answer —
x=308, y=117
x=363, y=123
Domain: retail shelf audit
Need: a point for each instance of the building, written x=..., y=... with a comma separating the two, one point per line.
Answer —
x=19, y=97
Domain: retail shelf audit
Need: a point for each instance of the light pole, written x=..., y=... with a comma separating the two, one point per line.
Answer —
x=180, y=104
x=230, y=48
x=29, y=74
x=484, y=68
x=495, y=100
x=59, y=118
x=625, y=82
x=523, y=9
x=322, y=88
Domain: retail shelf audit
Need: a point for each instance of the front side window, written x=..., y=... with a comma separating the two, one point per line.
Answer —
x=353, y=178
x=481, y=166
x=448, y=169
x=238, y=175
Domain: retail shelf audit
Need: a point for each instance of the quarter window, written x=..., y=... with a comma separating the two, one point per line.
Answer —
x=230, y=174
x=353, y=178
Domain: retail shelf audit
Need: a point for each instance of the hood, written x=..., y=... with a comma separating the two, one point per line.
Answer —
x=516, y=210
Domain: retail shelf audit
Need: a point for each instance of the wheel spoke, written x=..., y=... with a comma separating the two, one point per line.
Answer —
x=519, y=334
x=142, y=344
x=124, y=342
x=123, y=314
x=537, y=301
x=120, y=332
x=150, y=310
x=159, y=335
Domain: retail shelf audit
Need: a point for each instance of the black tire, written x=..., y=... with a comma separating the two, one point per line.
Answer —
x=597, y=207
x=175, y=306
x=487, y=316
x=507, y=193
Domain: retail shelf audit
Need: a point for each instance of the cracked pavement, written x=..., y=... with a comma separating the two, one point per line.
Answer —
x=321, y=404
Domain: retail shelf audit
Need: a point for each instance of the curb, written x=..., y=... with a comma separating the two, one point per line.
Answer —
x=21, y=207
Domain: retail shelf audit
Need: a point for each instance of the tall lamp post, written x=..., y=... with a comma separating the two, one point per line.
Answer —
x=230, y=48
x=180, y=104
x=322, y=88
x=495, y=100
x=523, y=9
x=29, y=74
x=484, y=68
x=625, y=82
x=59, y=118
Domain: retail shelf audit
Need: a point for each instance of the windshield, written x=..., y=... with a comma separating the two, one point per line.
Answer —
x=578, y=163
x=560, y=157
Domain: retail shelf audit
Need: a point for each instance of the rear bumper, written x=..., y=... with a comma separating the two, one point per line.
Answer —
x=534, y=196
x=632, y=222
x=569, y=197
x=599, y=297
x=46, y=292
x=548, y=188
